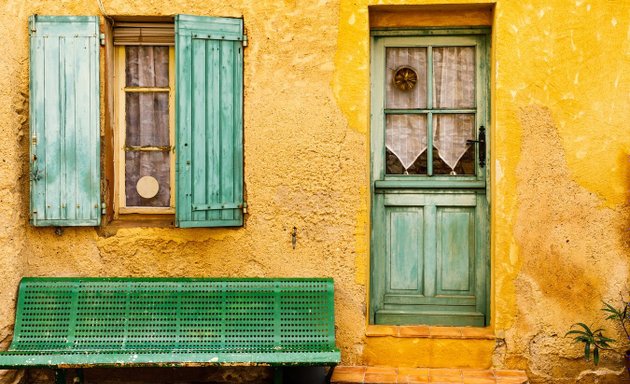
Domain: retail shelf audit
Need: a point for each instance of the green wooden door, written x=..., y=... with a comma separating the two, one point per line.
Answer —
x=430, y=258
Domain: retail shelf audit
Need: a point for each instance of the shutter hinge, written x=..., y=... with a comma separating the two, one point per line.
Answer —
x=216, y=207
x=102, y=38
x=244, y=207
x=244, y=41
x=33, y=22
x=103, y=209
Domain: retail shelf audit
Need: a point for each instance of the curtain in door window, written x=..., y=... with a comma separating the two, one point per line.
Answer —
x=406, y=137
x=453, y=88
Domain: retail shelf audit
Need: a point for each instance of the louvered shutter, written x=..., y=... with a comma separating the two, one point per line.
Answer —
x=64, y=121
x=209, y=116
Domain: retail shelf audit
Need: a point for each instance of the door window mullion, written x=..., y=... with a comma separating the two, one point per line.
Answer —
x=430, y=144
x=430, y=114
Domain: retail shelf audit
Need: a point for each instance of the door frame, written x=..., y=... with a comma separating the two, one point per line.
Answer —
x=377, y=156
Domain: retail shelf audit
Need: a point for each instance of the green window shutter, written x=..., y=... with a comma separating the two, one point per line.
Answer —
x=64, y=121
x=209, y=121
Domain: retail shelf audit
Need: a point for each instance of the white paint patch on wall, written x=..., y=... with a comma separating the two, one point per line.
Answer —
x=498, y=171
x=352, y=19
x=496, y=72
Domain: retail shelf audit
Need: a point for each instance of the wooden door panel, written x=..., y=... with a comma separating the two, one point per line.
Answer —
x=406, y=317
x=430, y=258
x=405, y=249
x=455, y=250
x=438, y=198
x=411, y=299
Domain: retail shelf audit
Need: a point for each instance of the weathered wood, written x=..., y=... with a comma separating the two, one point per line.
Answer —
x=452, y=253
x=209, y=123
x=406, y=238
x=64, y=121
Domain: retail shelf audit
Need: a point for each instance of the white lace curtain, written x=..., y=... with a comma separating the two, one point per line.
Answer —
x=453, y=88
x=147, y=123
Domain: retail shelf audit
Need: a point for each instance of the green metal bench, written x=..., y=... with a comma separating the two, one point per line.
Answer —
x=75, y=323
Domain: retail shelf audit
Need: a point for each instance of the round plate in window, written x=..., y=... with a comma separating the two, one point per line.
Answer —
x=148, y=187
x=405, y=78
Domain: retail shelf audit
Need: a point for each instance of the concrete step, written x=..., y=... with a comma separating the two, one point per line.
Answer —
x=391, y=375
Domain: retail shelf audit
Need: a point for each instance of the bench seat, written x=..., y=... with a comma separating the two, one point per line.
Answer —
x=184, y=358
x=64, y=323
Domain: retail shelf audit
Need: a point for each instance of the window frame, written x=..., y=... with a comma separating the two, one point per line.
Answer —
x=446, y=37
x=222, y=206
x=120, y=130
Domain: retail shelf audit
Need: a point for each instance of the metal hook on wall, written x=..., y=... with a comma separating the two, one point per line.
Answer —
x=294, y=237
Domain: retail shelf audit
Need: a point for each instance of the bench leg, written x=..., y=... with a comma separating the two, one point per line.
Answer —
x=60, y=376
x=277, y=375
x=78, y=377
x=329, y=374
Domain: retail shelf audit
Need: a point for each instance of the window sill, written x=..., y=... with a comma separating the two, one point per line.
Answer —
x=139, y=221
x=430, y=332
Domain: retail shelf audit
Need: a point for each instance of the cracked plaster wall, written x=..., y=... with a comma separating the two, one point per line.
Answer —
x=560, y=100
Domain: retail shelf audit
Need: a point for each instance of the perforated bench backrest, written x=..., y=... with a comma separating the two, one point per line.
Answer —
x=223, y=315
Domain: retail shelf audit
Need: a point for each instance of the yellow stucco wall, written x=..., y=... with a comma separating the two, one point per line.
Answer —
x=559, y=171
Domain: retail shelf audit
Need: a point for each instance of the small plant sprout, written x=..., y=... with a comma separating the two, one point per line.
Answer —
x=595, y=340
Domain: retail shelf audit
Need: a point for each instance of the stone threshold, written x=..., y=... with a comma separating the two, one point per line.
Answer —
x=430, y=332
x=393, y=375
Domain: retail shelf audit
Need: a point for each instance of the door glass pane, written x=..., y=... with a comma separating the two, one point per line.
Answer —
x=406, y=140
x=406, y=78
x=154, y=164
x=454, y=77
x=451, y=154
x=147, y=119
x=146, y=66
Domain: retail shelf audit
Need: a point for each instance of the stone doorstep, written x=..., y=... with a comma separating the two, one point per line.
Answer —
x=391, y=375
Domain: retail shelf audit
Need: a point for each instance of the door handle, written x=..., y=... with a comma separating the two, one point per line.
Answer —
x=481, y=140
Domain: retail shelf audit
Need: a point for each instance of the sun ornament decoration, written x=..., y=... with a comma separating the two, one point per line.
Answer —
x=405, y=78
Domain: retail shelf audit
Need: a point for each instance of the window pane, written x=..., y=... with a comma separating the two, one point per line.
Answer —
x=406, y=78
x=154, y=164
x=147, y=119
x=406, y=140
x=454, y=77
x=395, y=167
x=146, y=66
x=450, y=133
